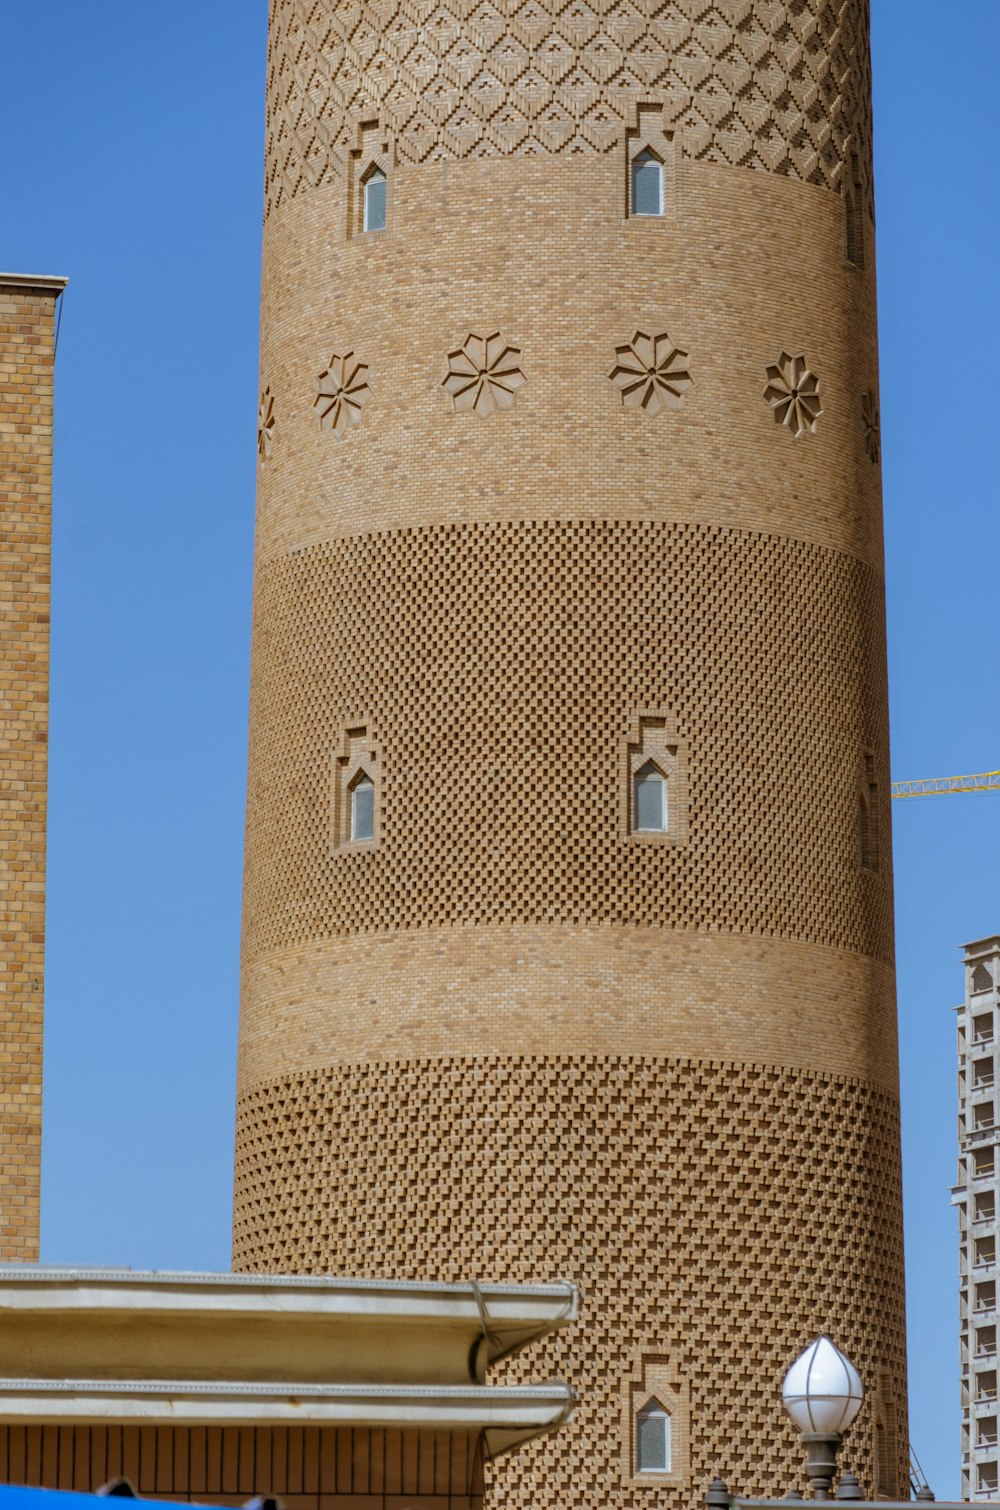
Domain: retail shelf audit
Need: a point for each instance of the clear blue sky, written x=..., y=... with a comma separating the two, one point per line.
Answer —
x=131, y=161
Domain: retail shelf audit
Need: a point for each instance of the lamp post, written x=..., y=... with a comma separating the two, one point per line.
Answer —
x=822, y=1393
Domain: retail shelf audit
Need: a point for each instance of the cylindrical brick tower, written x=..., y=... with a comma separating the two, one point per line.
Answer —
x=568, y=915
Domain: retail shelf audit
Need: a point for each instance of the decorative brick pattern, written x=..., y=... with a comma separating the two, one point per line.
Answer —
x=27, y=319
x=714, y=1154
x=342, y=392
x=520, y=656
x=651, y=373
x=783, y=88
x=793, y=394
x=265, y=424
x=712, y=1212
x=484, y=374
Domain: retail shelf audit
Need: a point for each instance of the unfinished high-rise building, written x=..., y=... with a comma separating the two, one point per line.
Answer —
x=975, y=1198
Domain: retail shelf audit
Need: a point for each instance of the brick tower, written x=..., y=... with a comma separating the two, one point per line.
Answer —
x=568, y=915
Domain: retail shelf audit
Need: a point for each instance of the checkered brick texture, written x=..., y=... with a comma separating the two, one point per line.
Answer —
x=499, y=668
x=719, y=1213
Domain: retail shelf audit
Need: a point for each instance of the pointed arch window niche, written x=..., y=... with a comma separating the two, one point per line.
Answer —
x=355, y=798
x=649, y=799
x=650, y=168
x=868, y=814
x=654, y=796
x=647, y=184
x=370, y=175
x=854, y=213
x=652, y=1438
x=362, y=791
x=886, y=1442
x=656, y=1412
x=374, y=199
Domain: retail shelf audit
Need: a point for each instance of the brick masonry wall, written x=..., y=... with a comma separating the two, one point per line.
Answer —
x=717, y=1215
x=742, y=267
x=26, y=372
x=521, y=988
x=784, y=89
x=504, y=1040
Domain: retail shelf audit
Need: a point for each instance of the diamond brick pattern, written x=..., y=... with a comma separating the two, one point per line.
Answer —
x=720, y=1214
x=519, y=657
x=781, y=88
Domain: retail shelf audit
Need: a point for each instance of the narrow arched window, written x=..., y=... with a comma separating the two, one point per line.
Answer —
x=868, y=817
x=374, y=191
x=362, y=807
x=883, y=1470
x=652, y=1439
x=647, y=184
x=855, y=215
x=650, y=800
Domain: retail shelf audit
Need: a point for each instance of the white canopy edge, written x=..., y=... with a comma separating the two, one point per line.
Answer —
x=508, y=1415
x=30, y=1287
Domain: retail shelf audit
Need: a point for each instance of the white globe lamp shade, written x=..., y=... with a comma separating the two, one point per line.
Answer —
x=822, y=1389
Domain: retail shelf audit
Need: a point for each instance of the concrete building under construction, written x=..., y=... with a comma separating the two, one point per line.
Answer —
x=976, y=1198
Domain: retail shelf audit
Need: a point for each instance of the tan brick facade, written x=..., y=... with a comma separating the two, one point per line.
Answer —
x=778, y=88
x=719, y=1212
x=502, y=1038
x=27, y=314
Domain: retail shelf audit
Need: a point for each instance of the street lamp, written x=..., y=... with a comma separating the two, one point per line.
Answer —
x=822, y=1393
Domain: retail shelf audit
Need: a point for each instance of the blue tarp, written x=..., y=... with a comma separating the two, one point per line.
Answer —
x=12, y=1498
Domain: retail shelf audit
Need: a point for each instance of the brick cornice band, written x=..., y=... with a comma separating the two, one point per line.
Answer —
x=516, y=988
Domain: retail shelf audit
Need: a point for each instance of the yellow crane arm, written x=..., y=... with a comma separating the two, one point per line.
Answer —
x=938, y=786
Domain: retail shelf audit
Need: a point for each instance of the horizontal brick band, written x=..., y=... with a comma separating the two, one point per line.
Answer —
x=743, y=267
x=520, y=989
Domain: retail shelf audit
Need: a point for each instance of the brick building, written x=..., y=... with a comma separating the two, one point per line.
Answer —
x=568, y=906
x=28, y=308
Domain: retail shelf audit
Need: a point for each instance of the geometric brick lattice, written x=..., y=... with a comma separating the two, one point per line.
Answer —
x=783, y=88
x=521, y=654
x=718, y=1214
